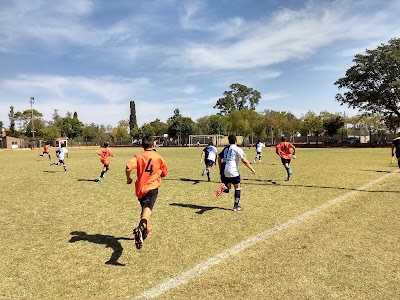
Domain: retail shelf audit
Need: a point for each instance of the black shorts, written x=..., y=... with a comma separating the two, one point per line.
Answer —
x=398, y=154
x=209, y=163
x=149, y=199
x=233, y=180
x=285, y=161
x=224, y=179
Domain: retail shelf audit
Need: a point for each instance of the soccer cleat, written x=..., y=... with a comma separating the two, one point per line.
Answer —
x=237, y=208
x=219, y=189
x=138, y=238
x=146, y=231
x=100, y=179
x=290, y=172
x=204, y=172
x=288, y=179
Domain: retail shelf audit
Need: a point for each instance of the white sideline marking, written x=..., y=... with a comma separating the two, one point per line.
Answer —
x=209, y=263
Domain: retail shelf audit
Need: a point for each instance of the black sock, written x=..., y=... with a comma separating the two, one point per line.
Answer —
x=208, y=175
x=102, y=174
x=237, y=197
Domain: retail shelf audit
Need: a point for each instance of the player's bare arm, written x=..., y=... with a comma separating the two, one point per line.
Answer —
x=128, y=175
x=247, y=164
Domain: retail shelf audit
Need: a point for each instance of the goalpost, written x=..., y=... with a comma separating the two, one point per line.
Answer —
x=204, y=139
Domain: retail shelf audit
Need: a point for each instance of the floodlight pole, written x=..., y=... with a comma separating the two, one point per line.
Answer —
x=32, y=100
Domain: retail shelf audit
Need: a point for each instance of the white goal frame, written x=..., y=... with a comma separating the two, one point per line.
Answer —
x=204, y=139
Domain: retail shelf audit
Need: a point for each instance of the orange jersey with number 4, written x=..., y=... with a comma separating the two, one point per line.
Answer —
x=150, y=168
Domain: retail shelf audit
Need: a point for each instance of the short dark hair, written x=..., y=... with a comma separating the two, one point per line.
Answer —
x=232, y=139
x=283, y=138
x=147, y=142
x=106, y=144
x=210, y=144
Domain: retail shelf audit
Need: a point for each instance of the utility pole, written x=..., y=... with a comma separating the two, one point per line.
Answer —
x=32, y=100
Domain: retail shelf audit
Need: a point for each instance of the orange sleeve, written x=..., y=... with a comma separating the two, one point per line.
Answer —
x=132, y=164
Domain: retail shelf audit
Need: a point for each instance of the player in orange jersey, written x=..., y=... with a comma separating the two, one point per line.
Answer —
x=46, y=150
x=283, y=150
x=105, y=155
x=150, y=168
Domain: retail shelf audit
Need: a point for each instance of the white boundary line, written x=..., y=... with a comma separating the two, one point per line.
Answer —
x=209, y=263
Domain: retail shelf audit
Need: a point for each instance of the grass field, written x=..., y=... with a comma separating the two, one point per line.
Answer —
x=65, y=236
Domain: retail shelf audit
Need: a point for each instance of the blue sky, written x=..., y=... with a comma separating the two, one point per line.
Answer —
x=93, y=57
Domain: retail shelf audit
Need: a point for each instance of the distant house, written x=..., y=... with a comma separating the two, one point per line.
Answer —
x=9, y=142
x=61, y=140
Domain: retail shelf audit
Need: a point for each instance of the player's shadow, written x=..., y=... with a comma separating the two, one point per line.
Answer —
x=108, y=240
x=202, y=209
x=262, y=180
x=378, y=171
x=52, y=171
x=89, y=180
x=291, y=184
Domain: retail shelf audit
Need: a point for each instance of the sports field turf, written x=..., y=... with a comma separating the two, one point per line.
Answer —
x=66, y=236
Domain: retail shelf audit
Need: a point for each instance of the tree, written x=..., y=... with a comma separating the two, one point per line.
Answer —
x=69, y=126
x=11, y=116
x=313, y=124
x=120, y=133
x=160, y=128
x=331, y=122
x=49, y=132
x=373, y=83
x=238, y=98
x=133, y=127
x=180, y=127
x=24, y=118
x=146, y=129
x=56, y=116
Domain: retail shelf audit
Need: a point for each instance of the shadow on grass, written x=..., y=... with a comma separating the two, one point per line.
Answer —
x=195, y=181
x=108, y=240
x=52, y=171
x=89, y=180
x=377, y=171
x=202, y=209
x=291, y=185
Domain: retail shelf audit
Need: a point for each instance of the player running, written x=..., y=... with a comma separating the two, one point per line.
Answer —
x=396, y=145
x=259, y=147
x=61, y=152
x=283, y=150
x=105, y=155
x=150, y=168
x=229, y=160
x=46, y=150
x=209, y=154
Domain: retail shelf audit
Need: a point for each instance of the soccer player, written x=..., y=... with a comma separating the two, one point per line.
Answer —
x=209, y=154
x=105, y=155
x=150, y=168
x=46, y=150
x=259, y=147
x=232, y=156
x=60, y=152
x=283, y=150
x=396, y=144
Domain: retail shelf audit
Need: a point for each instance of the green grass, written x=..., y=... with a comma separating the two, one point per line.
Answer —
x=349, y=251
